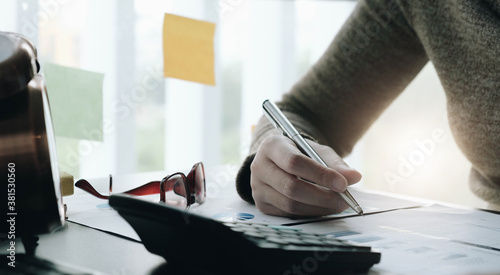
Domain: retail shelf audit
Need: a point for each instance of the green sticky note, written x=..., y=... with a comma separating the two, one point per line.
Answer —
x=75, y=98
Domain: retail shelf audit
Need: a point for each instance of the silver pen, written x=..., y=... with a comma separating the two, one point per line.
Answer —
x=278, y=119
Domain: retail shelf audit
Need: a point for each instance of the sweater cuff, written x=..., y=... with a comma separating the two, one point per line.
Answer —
x=243, y=180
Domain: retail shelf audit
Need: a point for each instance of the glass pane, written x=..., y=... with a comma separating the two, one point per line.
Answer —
x=178, y=196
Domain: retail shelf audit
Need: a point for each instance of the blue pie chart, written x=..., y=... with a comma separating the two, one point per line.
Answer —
x=231, y=216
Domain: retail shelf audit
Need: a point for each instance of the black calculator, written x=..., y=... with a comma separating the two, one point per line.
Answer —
x=220, y=247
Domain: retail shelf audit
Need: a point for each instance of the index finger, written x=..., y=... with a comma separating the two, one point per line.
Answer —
x=293, y=161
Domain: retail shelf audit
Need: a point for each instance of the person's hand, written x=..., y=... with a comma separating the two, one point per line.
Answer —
x=278, y=179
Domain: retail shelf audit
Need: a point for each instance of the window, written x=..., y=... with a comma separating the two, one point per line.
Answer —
x=261, y=49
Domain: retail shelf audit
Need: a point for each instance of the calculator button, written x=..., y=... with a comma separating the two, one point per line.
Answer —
x=310, y=235
x=247, y=225
x=272, y=235
x=294, y=241
x=289, y=235
x=277, y=240
x=260, y=226
x=255, y=234
x=336, y=243
x=313, y=241
x=282, y=227
x=267, y=229
x=239, y=229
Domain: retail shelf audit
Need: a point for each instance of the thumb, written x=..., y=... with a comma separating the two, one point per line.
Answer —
x=350, y=174
x=334, y=161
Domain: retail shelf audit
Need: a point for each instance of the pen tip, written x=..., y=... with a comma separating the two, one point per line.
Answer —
x=359, y=211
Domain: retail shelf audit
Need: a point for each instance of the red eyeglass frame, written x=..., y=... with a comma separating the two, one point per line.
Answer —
x=168, y=183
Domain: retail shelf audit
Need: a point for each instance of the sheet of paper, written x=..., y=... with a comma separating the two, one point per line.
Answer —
x=87, y=210
x=222, y=203
x=75, y=101
x=429, y=240
x=228, y=206
x=188, y=49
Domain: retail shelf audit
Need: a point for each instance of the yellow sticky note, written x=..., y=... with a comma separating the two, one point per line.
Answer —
x=188, y=49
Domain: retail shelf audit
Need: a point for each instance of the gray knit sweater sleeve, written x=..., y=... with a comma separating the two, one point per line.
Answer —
x=377, y=53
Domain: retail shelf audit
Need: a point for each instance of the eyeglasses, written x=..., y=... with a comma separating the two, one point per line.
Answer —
x=187, y=190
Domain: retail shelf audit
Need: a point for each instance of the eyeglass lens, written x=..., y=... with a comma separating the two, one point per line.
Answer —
x=177, y=190
x=174, y=190
x=199, y=183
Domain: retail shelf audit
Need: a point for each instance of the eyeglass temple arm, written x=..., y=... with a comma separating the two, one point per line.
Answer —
x=86, y=186
x=149, y=188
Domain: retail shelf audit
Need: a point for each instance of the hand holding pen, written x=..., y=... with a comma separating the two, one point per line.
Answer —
x=278, y=174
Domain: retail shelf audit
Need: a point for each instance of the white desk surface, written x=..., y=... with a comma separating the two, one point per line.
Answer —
x=111, y=254
x=92, y=249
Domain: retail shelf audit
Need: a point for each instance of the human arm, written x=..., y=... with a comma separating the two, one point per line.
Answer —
x=334, y=104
